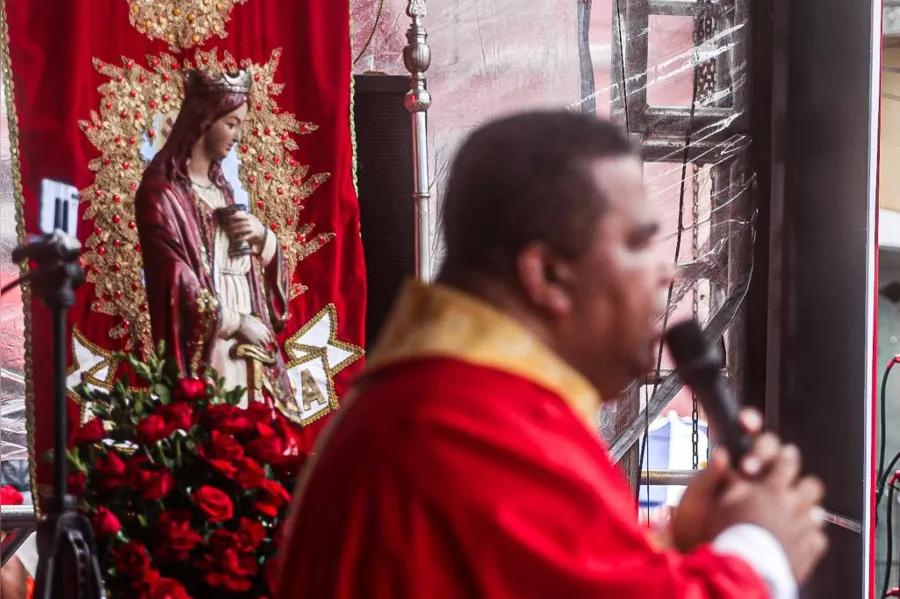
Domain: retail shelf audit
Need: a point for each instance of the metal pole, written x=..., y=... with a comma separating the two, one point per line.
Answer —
x=60, y=433
x=666, y=478
x=417, y=58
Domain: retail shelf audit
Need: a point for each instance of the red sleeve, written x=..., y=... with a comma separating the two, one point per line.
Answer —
x=449, y=500
x=543, y=517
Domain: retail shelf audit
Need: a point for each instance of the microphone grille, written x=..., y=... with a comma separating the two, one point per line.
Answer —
x=686, y=342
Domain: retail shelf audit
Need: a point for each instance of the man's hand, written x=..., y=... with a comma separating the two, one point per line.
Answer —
x=765, y=492
x=784, y=505
x=242, y=226
x=689, y=523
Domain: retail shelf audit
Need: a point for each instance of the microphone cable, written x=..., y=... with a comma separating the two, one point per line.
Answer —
x=888, y=565
x=882, y=472
x=884, y=479
x=883, y=408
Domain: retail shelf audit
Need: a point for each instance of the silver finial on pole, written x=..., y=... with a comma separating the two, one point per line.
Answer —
x=417, y=58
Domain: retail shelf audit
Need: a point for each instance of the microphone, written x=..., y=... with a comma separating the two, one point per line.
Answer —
x=699, y=366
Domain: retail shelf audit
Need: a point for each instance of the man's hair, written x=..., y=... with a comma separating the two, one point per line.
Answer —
x=522, y=179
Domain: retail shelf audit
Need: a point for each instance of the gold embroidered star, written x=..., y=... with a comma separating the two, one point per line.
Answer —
x=91, y=365
x=315, y=357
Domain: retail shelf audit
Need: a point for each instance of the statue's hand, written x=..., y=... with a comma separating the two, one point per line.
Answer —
x=254, y=332
x=243, y=226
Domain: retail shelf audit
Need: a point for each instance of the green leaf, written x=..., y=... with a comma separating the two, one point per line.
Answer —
x=101, y=409
x=76, y=462
x=143, y=371
x=164, y=394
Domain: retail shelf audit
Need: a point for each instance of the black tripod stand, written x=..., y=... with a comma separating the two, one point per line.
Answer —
x=67, y=564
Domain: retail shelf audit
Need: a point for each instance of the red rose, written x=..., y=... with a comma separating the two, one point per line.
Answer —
x=214, y=504
x=176, y=537
x=221, y=452
x=292, y=455
x=250, y=475
x=264, y=431
x=250, y=535
x=142, y=586
x=258, y=411
x=227, y=419
x=224, y=447
x=166, y=588
x=266, y=449
x=111, y=465
x=77, y=482
x=221, y=541
x=271, y=498
x=137, y=461
x=177, y=416
x=230, y=571
x=153, y=484
x=133, y=561
x=109, y=472
x=152, y=429
x=105, y=523
x=228, y=582
x=190, y=390
x=89, y=433
x=10, y=496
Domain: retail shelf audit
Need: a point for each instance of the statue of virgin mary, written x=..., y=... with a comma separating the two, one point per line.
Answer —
x=215, y=282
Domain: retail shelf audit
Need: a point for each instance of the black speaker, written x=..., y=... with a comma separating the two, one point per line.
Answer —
x=385, y=183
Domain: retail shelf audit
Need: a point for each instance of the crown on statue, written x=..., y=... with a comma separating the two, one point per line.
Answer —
x=203, y=81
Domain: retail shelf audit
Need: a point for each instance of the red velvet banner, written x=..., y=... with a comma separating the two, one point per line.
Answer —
x=94, y=85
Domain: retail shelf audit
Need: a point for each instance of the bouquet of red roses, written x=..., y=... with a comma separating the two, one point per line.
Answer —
x=186, y=490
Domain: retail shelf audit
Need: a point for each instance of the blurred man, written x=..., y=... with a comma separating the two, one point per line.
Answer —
x=468, y=463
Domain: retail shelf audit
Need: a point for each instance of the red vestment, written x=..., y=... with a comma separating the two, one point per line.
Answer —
x=467, y=465
x=176, y=234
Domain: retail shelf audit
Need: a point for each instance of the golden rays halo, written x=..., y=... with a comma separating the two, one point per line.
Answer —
x=138, y=104
x=181, y=23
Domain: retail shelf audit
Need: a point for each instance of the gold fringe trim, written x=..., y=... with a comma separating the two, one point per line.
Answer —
x=354, y=164
x=20, y=235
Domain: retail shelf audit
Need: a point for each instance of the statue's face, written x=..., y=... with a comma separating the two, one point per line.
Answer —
x=224, y=133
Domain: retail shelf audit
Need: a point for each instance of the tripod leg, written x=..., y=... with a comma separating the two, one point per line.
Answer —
x=60, y=394
x=68, y=566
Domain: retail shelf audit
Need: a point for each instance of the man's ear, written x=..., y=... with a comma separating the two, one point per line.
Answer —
x=545, y=278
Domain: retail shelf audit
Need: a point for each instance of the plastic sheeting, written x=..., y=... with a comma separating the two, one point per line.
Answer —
x=12, y=323
x=670, y=71
x=633, y=61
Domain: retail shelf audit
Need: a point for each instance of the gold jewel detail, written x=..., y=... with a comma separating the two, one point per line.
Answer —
x=182, y=24
x=315, y=347
x=132, y=102
x=207, y=305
